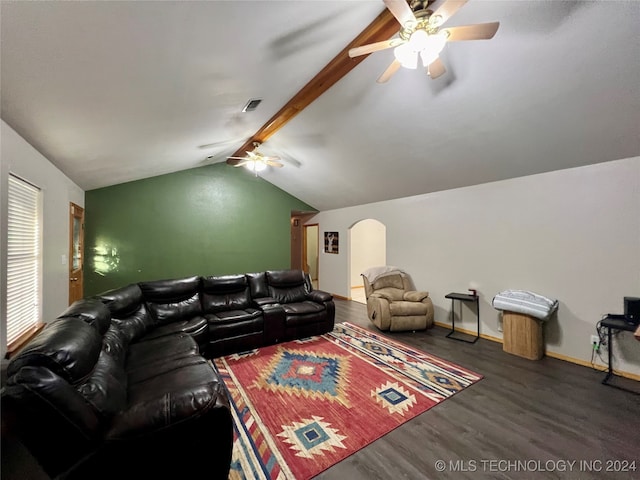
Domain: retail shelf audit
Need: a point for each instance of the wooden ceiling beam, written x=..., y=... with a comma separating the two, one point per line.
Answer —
x=382, y=28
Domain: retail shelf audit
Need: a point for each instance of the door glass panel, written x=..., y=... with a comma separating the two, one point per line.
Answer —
x=77, y=250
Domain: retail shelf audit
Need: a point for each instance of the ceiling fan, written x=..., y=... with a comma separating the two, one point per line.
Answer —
x=421, y=35
x=256, y=161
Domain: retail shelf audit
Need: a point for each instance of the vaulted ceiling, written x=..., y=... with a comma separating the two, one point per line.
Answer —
x=117, y=91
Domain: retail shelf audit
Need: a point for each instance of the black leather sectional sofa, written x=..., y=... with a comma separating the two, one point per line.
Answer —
x=120, y=386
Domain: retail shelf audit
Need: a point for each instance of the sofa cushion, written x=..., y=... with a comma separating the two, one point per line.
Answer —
x=168, y=399
x=231, y=316
x=230, y=292
x=68, y=347
x=390, y=293
x=393, y=281
x=172, y=300
x=122, y=302
x=160, y=349
x=258, y=284
x=195, y=327
x=414, y=296
x=302, y=308
x=90, y=310
x=407, y=308
x=106, y=388
x=148, y=371
x=135, y=325
x=287, y=286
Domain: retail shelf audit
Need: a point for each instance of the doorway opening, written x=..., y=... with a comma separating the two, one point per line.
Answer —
x=367, y=248
x=310, y=252
x=304, y=255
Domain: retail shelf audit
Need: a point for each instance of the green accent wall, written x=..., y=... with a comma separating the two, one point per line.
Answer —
x=212, y=220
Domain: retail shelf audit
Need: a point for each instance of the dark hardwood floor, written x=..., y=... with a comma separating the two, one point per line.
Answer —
x=524, y=420
x=545, y=419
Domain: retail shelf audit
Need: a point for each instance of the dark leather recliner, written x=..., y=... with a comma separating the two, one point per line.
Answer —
x=233, y=320
x=306, y=312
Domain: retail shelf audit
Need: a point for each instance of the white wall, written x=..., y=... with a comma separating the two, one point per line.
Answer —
x=572, y=234
x=20, y=158
x=368, y=248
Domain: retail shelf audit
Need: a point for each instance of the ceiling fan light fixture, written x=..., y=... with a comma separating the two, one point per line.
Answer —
x=419, y=40
x=435, y=44
x=407, y=56
x=427, y=45
x=255, y=166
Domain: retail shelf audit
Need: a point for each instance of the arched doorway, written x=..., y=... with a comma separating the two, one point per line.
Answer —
x=367, y=248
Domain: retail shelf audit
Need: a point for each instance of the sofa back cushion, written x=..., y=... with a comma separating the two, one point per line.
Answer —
x=128, y=311
x=91, y=311
x=172, y=300
x=287, y=286
x=389, y=281
x=68, y=347
x=258, y=284
x=123, y=301
x=229, y=292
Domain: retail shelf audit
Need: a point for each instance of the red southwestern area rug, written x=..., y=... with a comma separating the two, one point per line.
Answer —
x=302, y=406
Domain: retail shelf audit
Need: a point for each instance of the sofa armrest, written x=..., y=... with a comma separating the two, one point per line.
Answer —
x=192, y=425
x=391, y=295
x=319, y=296
x=262, y=301
x=415, y=296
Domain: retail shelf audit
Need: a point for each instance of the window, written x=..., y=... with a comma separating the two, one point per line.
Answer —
x=23, y=261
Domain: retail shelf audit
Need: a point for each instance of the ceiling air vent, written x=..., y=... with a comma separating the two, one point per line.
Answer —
x=252, y=105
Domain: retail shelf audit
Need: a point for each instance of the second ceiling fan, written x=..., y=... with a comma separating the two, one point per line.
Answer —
x=421, y=36
x=255, y=161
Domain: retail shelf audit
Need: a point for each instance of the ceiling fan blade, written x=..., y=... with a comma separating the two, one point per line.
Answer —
x=375, y=47
x=401, y=10
x=388, y=73
x=447, y=9
x=273, y=163
x=238, y=158
x=241, y=163
x=480, y=31
x=436, y=68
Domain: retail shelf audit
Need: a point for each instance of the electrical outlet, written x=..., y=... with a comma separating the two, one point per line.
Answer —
x=595, y=341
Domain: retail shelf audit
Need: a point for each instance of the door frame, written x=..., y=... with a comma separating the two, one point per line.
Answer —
x=76, y=275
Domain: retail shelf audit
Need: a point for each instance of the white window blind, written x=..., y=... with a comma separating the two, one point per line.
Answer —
x=23, y=258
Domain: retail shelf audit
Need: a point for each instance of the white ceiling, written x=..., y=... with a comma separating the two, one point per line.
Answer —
x=117, y=91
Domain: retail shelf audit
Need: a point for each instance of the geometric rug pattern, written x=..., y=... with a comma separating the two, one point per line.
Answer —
x=302, y=406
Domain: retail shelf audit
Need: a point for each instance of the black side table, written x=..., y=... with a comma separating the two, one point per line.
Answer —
x=463, y=297
x=615, y=322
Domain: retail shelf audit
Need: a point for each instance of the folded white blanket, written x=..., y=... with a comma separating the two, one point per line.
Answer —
x=373, y=273
x=529, y=303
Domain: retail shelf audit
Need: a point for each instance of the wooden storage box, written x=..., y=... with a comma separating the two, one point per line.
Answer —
x=522, y=335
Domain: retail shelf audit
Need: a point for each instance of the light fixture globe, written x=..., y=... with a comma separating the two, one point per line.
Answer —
x=407, y=56
x=256, y=166
x=427, y=45
x=419, y=40
x=432, y=47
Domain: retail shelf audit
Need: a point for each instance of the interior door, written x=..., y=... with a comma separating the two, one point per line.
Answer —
x=76, y=249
